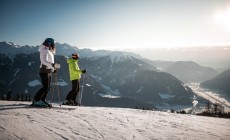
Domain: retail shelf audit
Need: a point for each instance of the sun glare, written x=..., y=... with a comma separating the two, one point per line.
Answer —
x=223, y=18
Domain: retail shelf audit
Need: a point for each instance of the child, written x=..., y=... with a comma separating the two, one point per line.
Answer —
x=75, y=76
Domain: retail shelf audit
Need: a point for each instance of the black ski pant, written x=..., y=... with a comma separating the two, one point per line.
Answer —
x=72, y=95
x=42, y=93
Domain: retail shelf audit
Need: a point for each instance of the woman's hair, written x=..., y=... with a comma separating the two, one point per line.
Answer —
x=75, y=56
x=52, y=48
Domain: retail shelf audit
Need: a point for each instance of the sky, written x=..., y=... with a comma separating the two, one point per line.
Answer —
x=117, y=24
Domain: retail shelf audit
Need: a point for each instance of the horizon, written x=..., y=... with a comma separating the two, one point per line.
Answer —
x=117, y=24
x=216, y=57
x=127, y=48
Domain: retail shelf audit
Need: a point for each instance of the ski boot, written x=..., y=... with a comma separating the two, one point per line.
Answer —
x=66, y=102
x=38, y=104
x=75, y=103
x=47, y=104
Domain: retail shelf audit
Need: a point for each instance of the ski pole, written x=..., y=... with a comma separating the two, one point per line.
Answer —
x=56, y=84
x=82, y=87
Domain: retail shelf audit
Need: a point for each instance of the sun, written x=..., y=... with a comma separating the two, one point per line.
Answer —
x=223, y=18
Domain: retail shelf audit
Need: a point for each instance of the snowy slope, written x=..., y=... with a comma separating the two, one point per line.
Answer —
x=20, y=122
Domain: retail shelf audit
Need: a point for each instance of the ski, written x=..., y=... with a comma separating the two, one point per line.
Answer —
x=56, y=107
x=64, y=107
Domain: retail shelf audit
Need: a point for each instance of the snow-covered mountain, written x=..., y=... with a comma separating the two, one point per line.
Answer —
x=134, y=78
x=18, y=121
x=108, y=77
x=116, y=79
x=11, y=49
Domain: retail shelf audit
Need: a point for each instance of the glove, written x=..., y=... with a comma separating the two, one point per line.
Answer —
x=83, y=71
x=52, y=69
x=57, y=66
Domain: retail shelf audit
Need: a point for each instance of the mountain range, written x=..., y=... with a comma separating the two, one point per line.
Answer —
x=186, y=71
x=216, y=57
x=115, y=79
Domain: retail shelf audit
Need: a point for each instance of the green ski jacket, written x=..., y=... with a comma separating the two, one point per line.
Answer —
x=74, y=70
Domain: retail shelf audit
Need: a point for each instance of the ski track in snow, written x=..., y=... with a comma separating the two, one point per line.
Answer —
x=17, y=121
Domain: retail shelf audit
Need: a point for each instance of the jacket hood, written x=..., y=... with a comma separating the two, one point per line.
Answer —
x=71, y=60
x=42, y=47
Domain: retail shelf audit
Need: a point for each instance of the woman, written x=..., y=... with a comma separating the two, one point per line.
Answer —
x=47, y=51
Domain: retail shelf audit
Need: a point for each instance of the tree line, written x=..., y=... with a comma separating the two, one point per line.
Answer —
x=215, y=110
x=22, y=97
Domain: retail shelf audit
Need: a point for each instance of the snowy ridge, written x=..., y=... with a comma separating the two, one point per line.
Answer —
x=11, y=49
x=18, y=121
x=12, y=44
x=119, y=57
x=114, y=56
x=66, y=50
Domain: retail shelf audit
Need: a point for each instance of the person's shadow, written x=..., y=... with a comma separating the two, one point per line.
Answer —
x=14, y=106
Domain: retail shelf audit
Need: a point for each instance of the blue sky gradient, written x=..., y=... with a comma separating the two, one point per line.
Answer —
x=113, y=24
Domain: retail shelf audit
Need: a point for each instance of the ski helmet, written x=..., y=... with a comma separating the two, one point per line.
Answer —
x=49, y=42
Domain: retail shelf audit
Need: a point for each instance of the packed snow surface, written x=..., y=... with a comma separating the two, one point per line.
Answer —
x=18, y=121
